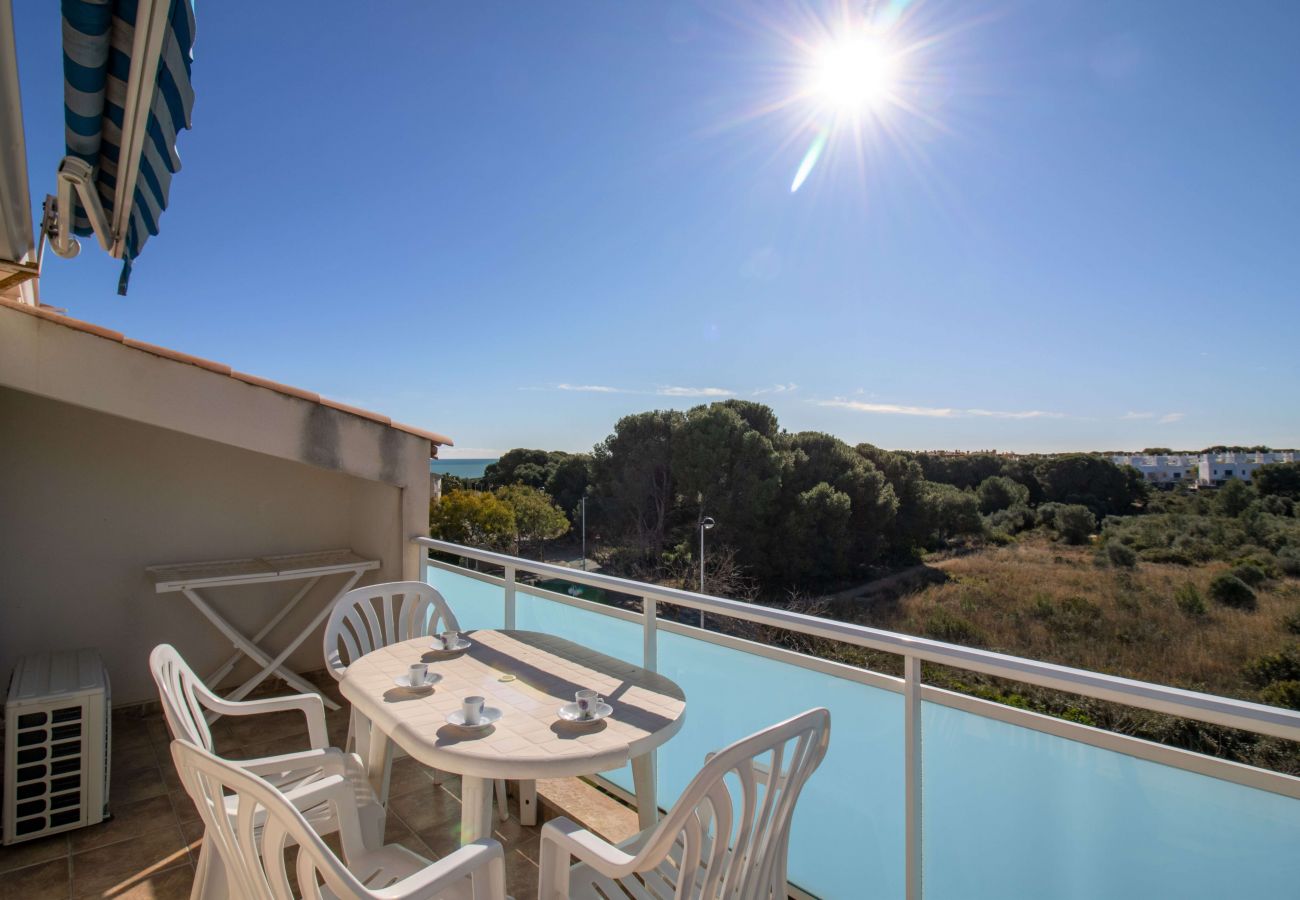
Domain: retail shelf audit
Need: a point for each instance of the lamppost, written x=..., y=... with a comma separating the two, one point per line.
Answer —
x=584, y=533
x=706, y=522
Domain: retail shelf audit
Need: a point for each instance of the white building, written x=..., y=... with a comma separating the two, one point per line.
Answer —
x=1163, y=471
x=1205, y=470
x=1218, y=468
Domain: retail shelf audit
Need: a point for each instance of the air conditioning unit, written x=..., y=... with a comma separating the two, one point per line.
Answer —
x=57, y=734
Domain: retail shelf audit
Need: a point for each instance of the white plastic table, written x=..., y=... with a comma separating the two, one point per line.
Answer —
x=189, y=578
x=528, y=675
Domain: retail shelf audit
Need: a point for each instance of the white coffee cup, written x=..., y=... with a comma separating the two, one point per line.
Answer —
x=586, y=701
x=417, y=674
x=472, y=709
x=450, y=639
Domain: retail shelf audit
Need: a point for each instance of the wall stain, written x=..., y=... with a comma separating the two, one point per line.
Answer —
x=320, y=438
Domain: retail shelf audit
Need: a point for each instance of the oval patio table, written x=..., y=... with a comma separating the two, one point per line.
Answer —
x=528, y=676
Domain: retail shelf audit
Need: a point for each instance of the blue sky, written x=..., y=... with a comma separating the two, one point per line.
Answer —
x=515, y=223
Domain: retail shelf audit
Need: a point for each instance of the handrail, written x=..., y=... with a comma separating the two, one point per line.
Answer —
x=1225, y=711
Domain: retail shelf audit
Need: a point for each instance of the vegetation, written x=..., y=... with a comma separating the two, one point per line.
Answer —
x=1066, y=558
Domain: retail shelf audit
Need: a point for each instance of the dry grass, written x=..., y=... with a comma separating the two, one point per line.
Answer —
x=1052, y=602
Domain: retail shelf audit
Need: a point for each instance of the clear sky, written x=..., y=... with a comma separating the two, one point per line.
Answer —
x=1051, y=225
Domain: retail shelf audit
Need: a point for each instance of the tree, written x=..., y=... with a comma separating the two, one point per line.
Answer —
x=911, y=528
x=537, y=519
x=728, y=470
x=820, y=535
x=1233, y=498
x=999, y=492
x=568, y=482
x=814, y=458
x=951, y=511
x=1279, y=479
x=474, y=518
x=1075, y=523
x=632, y=477
x=1091, y=481
x=520, y=466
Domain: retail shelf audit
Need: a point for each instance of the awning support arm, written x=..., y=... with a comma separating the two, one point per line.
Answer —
x=76, y=175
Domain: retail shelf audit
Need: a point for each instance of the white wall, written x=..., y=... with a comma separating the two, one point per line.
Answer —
x=87, y=500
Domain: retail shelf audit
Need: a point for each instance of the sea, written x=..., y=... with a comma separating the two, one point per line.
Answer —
x=461, y=468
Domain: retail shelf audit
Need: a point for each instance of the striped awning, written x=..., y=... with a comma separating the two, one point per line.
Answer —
x=127, y=93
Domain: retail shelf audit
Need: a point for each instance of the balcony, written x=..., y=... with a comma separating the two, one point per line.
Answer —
x=926, y=792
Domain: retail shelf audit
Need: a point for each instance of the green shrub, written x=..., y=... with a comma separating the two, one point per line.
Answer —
x=1278, y=506
x=998, y=492
x=1047, y=514
x=1250, y=573
x=1230, y=590
x=1282, y=693
x=1165, y=555
x=1189, y=600
x=1074, y=523
x=1281, y=666
x=1288, y=560
x=1121, y=555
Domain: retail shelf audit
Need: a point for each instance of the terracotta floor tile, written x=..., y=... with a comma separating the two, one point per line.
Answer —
x=44, y=881
x=521, y=875
x=424, y=810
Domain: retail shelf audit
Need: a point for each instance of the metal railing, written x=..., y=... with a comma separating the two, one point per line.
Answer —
x=1208, y=708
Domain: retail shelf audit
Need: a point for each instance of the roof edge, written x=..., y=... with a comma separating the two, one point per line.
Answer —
x=42, y=312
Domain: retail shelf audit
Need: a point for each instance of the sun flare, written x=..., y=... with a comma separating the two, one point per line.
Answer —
x=855, y=74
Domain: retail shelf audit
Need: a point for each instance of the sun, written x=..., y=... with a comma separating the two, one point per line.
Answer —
x=855, y=74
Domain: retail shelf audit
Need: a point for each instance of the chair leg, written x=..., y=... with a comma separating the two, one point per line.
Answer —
x=528, y=802
x=503, y=804
x=350, y=744
x=209, y=875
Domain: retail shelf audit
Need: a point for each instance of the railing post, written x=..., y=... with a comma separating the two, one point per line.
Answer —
x=510, y=596
x=650, y=634
x=912, y=772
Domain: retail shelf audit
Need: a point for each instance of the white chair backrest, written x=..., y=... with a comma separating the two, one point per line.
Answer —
x=736, y=844
x=367, y=618
x=179, y=689
x=251, y=824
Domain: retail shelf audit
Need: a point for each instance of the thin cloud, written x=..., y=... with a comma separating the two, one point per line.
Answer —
x=777, y=389
x=590, y=388
x=694, y=392
x=1170, y=418
x=1025, y=414
x=1134, y=416
x=891, y=409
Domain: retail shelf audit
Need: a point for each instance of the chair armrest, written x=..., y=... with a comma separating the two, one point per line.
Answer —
x=330, y=761
x=481, y=859
x=310, y=705
x=570, y=837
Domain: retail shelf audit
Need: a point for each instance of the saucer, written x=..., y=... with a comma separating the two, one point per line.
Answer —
x=430, y=679
x=488, y=716
x=462, y=644
x=569, y=712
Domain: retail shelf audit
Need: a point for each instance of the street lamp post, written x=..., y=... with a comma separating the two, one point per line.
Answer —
x=706, y=522
x=584, y=533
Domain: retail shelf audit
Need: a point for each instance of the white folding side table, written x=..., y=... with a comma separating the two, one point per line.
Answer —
x=189, y=578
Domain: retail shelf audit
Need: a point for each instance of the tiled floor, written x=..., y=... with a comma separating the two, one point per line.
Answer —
x=149, y=847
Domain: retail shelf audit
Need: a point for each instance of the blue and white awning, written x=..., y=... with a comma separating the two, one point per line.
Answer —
x=127, y=93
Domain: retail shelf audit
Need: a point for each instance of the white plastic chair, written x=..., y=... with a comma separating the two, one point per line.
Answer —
x=231, y=800
x=185, y=699
x=367, y=618
x=713, y=844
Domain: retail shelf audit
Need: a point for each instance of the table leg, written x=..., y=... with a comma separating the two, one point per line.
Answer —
x=643, y=781
x=378, y=757
x=249, y=648
x=475, y=808
x=527, y=802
